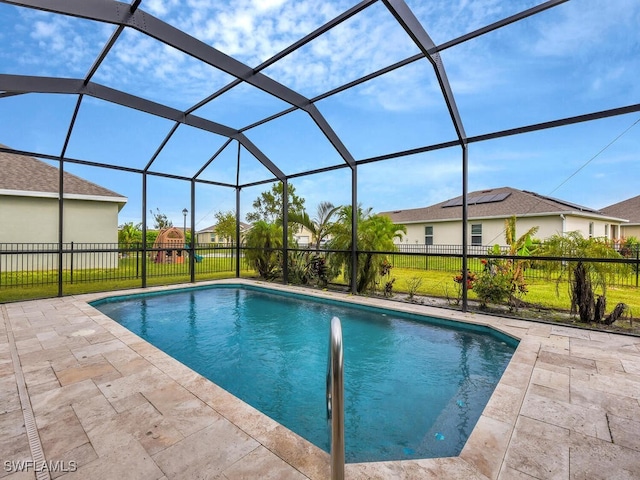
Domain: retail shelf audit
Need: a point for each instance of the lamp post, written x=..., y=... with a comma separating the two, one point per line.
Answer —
x=184, y=229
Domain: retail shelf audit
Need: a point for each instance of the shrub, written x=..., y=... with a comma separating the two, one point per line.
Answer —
x=413, y=284
x=458, y=279
x=263, y=253
x=308, y=267
x=493, y=285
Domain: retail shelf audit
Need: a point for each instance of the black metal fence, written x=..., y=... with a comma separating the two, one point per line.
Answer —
x=31, y=264
x=34, y=264
x=622, y=271
x=446, y=258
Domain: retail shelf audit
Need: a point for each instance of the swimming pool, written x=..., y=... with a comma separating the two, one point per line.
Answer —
x=414, y=386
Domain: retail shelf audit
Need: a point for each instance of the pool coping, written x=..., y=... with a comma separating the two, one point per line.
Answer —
x=567, y=403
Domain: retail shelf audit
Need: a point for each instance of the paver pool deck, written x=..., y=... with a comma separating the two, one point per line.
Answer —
x=81, y=397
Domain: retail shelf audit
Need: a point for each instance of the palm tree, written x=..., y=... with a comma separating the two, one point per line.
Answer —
x=576, y=273
x=320, y=225
x=128, y=234
x=264, y=244
x=375, y=234
x=522, y=246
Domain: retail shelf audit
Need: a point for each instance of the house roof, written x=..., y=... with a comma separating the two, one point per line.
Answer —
x=500, y=202
x=629, y=209
x=28, y=176
x=243, y=226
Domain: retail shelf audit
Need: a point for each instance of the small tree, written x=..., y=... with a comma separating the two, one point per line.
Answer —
x=375, y=233
x=151, y=237
x=264, y=244
x=584, y=278
x=129, y=234
x=503, y=279
x=160, y=220
x=495, y=283
x=268, y=206
x=630, y=248
x=226, y=226
x=522, y=246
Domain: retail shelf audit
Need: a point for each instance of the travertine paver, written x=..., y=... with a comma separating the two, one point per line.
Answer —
x=116, y=407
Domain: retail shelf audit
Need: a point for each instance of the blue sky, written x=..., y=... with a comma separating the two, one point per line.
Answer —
x=576, y=58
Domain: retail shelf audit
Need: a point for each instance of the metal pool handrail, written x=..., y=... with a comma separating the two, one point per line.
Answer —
x=335, y=399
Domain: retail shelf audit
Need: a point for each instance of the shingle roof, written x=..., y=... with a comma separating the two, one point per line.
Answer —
x=629, y=209
x=495, y=202
x=28, y=174
x=243, y=227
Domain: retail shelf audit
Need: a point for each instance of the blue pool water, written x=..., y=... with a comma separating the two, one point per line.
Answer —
x=413, y=388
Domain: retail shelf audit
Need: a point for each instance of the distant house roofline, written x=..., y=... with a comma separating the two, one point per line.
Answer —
x=629, y=208
x=528, y=215
x=28, y=176
x=67, y=196
x=502, y=202
x=211, y=229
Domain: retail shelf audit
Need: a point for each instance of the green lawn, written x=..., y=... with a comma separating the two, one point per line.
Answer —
x=13, y=294
x=434, y=283
x=541, y=292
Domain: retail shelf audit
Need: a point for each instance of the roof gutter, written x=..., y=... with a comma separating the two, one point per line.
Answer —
x=69, y=196
x=527, y=215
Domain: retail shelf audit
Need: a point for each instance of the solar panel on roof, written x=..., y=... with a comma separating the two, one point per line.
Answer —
x=500, y=196
x=480, y=199
x=477, y=199
x=564, y=202
x=456, y=202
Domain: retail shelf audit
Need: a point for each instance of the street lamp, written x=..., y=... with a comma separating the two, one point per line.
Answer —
x=184, y=229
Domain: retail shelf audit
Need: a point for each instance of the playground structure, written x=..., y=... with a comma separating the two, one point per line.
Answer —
x=171, y=246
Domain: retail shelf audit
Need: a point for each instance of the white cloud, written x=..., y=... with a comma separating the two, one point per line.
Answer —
x=160, y=7
x=254, y=30
x=434, y=178
x=145, y=67
x=448, y=19
x=262, y=5
x=53, y=45
x=578, y=27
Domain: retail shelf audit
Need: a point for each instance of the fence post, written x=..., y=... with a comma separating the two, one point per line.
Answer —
x=637, y=263
x=137, y=261
x=426, y=257
x=71, y=266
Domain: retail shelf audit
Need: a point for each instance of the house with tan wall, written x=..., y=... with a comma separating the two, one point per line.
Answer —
x=209, y=235
x=29, y=212
x=441, y=224
x=629, y=209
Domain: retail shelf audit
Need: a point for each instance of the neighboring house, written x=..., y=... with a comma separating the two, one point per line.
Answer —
x=441, y=224
x=29, y=206
x=303, y=235
x=629, y=209
x=209, y=235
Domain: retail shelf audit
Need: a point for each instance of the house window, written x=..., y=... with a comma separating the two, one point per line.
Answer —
x=606, y=230
x=428, y=235
x=590, y=229
x=476, y=234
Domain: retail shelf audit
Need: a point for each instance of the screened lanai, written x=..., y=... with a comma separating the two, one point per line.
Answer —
x=199, y=107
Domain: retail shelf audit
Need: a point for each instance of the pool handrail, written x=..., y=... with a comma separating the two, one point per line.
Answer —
x=335, y=399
